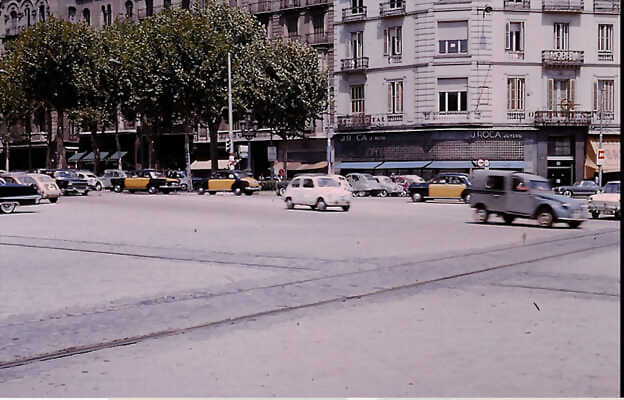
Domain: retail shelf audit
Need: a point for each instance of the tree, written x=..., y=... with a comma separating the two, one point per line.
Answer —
x=51, y=55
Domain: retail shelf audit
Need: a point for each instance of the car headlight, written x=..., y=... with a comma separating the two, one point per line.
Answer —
x=565, y=205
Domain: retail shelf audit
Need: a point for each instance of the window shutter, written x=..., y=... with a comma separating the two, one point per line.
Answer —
x=509, y=92
x=571, y=93
x=399, y=97
x=507, y=36
x=385, y=42
x=549, y=95
x=399, y=40
x=595, y=95
x=521, y=96
x=522, y=36
x=390, y=97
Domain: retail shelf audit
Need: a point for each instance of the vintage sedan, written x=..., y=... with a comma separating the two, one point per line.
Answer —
x=450, y=185
x=148, y=180
x=364, y=184
x=69, y=182
x=512, y=195
x=110, y=174
x=606, y=202
x=44, y=184
x=237, y=182
x=390, y=188
x=93, y=182
x=14, y=194
x=583, y=188
x=318, y=192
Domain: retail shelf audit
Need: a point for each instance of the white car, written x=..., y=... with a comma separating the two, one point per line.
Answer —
x=93, y=181
x=606, y=202
x=318, y=192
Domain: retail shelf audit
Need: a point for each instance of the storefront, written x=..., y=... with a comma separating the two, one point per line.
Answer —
x=611, y=164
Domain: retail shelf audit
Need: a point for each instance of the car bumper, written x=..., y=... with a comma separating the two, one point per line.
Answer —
x=253, y=189
x=170, y=187
x=603, y=208
x=22, y=200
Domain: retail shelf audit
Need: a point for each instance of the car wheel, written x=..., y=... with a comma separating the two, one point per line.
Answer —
x=201, y=191
x=567, y=193
x=289, y=204
x=346, y=208
x=595, y=214
x=383, y=193
x=53, y=199
x=238, y=191
x=152, y=190
x=184, y=187
x=98, y=187
x=212, y=193
x=7, y=208
x=545, y=218
x=417, y=197
x=282, y=191
x=321, y=205
x=117, y=189
x=574, y=224
x=481, y=215
x=509, y=219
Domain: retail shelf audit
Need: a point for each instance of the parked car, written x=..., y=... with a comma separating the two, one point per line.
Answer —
x=512, y=195
x=15, y=194
x=606, y=202
x=364, y=184
x=149, y=180
x=110, y=174
x=582, y=188
x=180, y=176
x=44, y=184
x=390, y=188
x=318, y=192
x=68, y=181
x=449, y=185
x=237, y=182
x=93, y=182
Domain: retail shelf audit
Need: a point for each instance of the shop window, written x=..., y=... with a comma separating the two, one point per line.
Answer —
x=453, y=37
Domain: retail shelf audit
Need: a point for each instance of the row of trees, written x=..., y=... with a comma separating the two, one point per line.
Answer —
x=170, y=69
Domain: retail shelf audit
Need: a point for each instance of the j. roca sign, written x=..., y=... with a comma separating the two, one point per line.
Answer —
x=494, y=135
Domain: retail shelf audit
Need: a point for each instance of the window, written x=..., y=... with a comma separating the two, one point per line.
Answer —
x=357, y=44
x=395, y=97
x=453, y=37
x=561, y=37
x=186, y=4
x=560, y=146
x=396, y=4
x=27, y=14
x=392, y=42
x=514, y=41
x=515, y=94
x=109, y=15
x=129, y=7
x=14, y=22
x=605, y=37
x=357, y=6
x=357, y=99
x=604, y=87
x=166, y=3
x=42, y=13
x=560, y=96
x=318, y=23
x=518, y=185
x=495, y=183
x=149, y=8
x=292, y=22
x=307, y=183
x=86, y=14
x=453, y=94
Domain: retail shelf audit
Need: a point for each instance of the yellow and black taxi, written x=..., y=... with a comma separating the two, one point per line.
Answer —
x=237, y=182
x=451, y=185
x=147, y=180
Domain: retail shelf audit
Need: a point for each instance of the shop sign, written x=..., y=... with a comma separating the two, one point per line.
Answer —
x=495, y=135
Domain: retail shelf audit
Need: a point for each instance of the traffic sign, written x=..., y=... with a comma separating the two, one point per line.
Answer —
x=601, y=157
x=480, y=163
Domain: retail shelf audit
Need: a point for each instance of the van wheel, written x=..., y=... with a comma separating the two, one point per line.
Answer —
x=509, y=219
x=289, y=204
x=545, y=218
x=481, y=215
x=321, y=205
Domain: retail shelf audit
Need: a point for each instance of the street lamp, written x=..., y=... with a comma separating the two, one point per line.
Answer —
x=249, y=129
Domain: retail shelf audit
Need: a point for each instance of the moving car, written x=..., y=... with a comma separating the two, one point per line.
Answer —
x=93, y=182
x=15, y=194
x=237, y=182
x=364, y=184
x=582, y=188
x=450, y=185
x=318, y=192
x=607, y=202
x=44, y=184
x=390, y=188
x=110, y=174
x=180, y=176
x=149, y=180
x=512, y=195
x=68, y=181
x=406, y=180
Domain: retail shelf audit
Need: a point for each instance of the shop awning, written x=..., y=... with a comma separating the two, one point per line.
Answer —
x=450, y=165
x=358, y=165
x=116, y=156
x=300, y=166
x=507, y=164
x=611, y=147
x=203, y=165
x=76, y=157
x=91, y=156
x=403, y=164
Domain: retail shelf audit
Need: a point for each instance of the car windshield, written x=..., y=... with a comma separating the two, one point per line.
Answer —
x=612, y=188
x=156, y=174
x=540, y=186
x=66, y=174
x=328, y=182
x=241, y=174
x=44, y=178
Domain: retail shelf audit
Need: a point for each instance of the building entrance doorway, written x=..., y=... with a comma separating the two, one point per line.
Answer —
x=560, y=172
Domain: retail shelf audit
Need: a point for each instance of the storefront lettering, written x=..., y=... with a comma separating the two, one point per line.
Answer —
x=484, y=135
x=361, y=138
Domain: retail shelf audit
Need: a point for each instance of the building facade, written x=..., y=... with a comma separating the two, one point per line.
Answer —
x=426, y=86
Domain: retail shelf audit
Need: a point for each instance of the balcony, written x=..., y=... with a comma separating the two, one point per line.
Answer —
x=449, y=117
x=517, y=5
x=352, y=122
x=607, y=6
x=288, y=4
x=293, y=36
x=606, y=116
x=260, y=7
x=392, y=9
x=563, y=58
x=395, y=59
x=566, y=6
x=317, y=2
x=317, y=38
x=354, y=64
x=605, y=55
x=563, y=118
x=354, y=14
x=516, y=115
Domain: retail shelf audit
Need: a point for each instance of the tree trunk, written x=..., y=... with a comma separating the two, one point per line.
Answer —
x=214, y=153
x=6, y=152
x=117, y=143
x=137, y=144
x=29, y=134
x=49, y=148
x=96, y=149
x=61, y=161
x=187, y=159
x=285, y=158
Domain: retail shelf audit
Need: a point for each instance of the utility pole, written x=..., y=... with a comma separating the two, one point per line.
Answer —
x=231, y=134
x=330, y=168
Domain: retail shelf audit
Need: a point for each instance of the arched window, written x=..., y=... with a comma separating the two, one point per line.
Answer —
x=186, y=4
x=129, y=7
x=13, y=22
x=149, y=5
x=27, y=14
x=109, y=15
x=42, y=13
x=71, y=14
x=86, y=14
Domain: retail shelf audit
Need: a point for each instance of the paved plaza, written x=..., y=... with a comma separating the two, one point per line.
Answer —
x=186, y=295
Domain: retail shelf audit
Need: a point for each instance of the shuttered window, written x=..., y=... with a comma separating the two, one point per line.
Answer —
x=515, y=94
x=606, y=87
x=395, y=97
x=357, y=99
x=561, y=36
x=392, y=41
x=561, y=94
x=514, y=36
x=605, y=37
x=453, y=37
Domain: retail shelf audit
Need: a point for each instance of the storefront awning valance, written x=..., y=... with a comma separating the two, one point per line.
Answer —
x=116, y=156
x=89, y=158
x=358, y=165
x=611, y=147
x=451, y=165
x=76, y=157
x=204, y=165
x=507, y=164
x=403, y=164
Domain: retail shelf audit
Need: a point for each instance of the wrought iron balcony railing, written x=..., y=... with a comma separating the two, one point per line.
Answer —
x=563, y=58
x=260, y=7
x=516, y=5
x=605, y=55
x=353, y=121
x=317, y=2
x=574, y=6
x=563, y=118
x=392, y=8
x=441, y=117
x=516, y=115
x=353, y=14
x=354, y=64
x=286, y=4
x=317, y=38
x=607, y=6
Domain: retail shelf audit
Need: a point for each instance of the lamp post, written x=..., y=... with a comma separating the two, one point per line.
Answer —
x=249, y=129
x=116, y=65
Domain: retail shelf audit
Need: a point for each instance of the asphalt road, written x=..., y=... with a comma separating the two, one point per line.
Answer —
x=186, y=295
